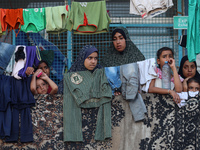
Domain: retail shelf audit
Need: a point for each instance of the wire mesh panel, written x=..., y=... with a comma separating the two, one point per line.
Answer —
x=148, y=34
x=150, y=39
x=100, y=41
x=43, y=40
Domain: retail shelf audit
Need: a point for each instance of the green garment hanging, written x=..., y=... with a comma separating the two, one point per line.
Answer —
x=85, y=89
x=193, y=38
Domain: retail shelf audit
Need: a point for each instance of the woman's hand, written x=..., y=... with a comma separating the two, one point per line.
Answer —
x=175, y=96
x=185, y=87
x=29, y=71
x=117, y=93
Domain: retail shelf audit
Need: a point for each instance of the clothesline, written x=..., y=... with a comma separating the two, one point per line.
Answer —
x=93, y=18
x=103, y=42
x=85, y=43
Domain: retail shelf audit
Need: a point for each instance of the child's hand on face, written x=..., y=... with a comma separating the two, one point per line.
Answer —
x=44, y=76
x=171, y=63
x=38, y=71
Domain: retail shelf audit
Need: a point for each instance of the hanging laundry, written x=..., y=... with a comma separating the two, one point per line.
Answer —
x=21, y=101
x=5, y=107
x=6, y=52
x=1, y=33
x=193, y=29
x=147, y=72
x=19, y=54
x=32, y=60
x=34, y=20
x=57, y=71
x=84, y=89
x=3, y=19
x=9, y=68
x=14, y=17
x=183, y=41
x=56, y=19
x=20, y=63
x=88, y=17
x=149, y=8
x=3, y=24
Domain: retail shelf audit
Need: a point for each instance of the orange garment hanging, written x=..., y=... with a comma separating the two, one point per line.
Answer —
x=0, y=26
x=14, y=17
x=3, y=17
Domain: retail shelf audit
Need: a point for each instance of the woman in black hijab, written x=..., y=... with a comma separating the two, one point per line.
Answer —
x=188, y=70
x=122, y=50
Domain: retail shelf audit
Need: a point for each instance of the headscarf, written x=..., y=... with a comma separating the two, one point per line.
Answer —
x=180, y=72
x=119, y=31
x=78, y=65
x=130, y=54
